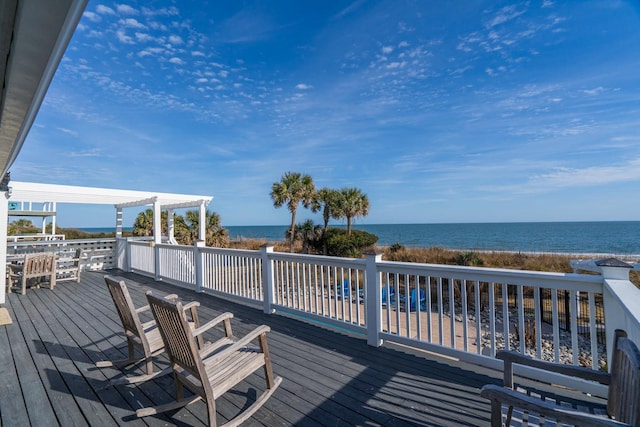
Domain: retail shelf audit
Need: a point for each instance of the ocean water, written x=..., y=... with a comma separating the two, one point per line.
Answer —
x=616, y=237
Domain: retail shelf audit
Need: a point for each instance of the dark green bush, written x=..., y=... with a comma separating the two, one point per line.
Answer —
x=469, y=259
x=396, y=247
x=339, y=243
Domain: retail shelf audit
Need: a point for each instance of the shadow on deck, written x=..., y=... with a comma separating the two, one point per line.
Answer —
x=49, y=352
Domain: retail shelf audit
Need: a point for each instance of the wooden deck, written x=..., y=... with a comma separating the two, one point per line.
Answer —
x=48, y=378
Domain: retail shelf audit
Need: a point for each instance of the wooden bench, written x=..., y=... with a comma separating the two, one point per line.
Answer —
x=623, y=400
x=36, y=266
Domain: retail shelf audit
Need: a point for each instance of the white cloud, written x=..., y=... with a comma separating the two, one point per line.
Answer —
x=202, y=80
x=223, y=73
x=197, y=53
x=594, y=175
x=105, y=10
x=303, y=86
x=396, y=64
x=175, y=39
x=165, y=11
x=126, y=9
x=505, y=14
x=144, y=37
x=132, y=23
x=68, y=131
x=91, y=16
x=94, y=152
x=176, y=60
x=594, y=91
x=150, y=51
x=403, y=44
x=387, y=49
x=123, y=37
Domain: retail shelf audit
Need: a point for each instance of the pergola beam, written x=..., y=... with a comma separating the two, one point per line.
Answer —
x=144, y=202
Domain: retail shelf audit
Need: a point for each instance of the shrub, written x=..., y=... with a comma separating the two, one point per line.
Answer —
x=469, y=259
x=339, y=243
x=396, y=247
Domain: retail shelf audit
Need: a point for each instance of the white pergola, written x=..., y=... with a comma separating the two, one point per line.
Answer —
x=26, y=194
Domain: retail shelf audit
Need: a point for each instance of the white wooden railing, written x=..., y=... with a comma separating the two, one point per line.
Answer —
x=97, y=254
x=463, y=312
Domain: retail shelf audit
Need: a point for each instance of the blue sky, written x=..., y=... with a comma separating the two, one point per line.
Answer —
x=461, y=111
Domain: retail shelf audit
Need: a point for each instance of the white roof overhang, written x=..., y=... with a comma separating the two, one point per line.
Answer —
x=33, y=37
x=49, y=193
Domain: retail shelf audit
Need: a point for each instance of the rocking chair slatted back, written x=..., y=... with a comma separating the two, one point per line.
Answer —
x=180, y=343
x=623, y=403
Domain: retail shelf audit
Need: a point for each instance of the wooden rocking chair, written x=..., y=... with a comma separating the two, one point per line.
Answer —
x=623, y=403
x=206, y=373
x=143, y=336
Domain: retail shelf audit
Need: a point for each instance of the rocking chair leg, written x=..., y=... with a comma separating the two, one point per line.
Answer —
x=119, y=363
x=139, y=378
x=251, y=409
x=143, y=412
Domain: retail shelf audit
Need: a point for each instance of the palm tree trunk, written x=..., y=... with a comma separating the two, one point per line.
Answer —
x=292, y=230
x=348, y=226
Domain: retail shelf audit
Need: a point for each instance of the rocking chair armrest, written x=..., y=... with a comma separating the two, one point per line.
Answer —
x=143, y=308
x=511, y=357
x=188, y=305
x=171, y=297
x=503, y=395
x=257, y=332
x=211, y=323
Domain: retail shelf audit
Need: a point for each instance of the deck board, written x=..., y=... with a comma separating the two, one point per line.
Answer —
x=329, y=378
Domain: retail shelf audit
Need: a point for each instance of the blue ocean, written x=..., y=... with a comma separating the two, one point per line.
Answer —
x=616, y=237
x=619, y=237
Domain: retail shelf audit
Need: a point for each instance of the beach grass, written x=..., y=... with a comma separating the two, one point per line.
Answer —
x=550, y=262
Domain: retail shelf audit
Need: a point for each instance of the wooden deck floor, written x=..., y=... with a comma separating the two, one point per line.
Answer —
x=47, y=374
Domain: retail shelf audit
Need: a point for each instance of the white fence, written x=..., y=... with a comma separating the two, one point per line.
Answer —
x=97, y=254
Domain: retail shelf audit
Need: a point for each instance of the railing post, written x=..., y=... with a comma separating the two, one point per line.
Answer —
x=267, y=278
x=197, y=256
x=128, y=251
x=373, y=295
x=156, y=260
x=619, y=295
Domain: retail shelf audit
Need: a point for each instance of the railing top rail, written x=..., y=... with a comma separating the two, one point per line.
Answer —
x=232, y=252
x=587, y=282
x=61, y=242
x=319, y=259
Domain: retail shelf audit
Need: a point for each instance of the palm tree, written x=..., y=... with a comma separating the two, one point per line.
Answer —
x=328, y=200
x=216, y=235
x=293, y=189
x=307, y=232
x=353, y=204
x=143, y=225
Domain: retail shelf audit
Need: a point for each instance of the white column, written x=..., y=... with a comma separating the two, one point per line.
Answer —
x=4, y=219
x=202, y=229
x=373, y=299
x=118, y=223
x=53, y=218
x=267, y=279
x=157, y=223
x=170, y=225
x=157, y=236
